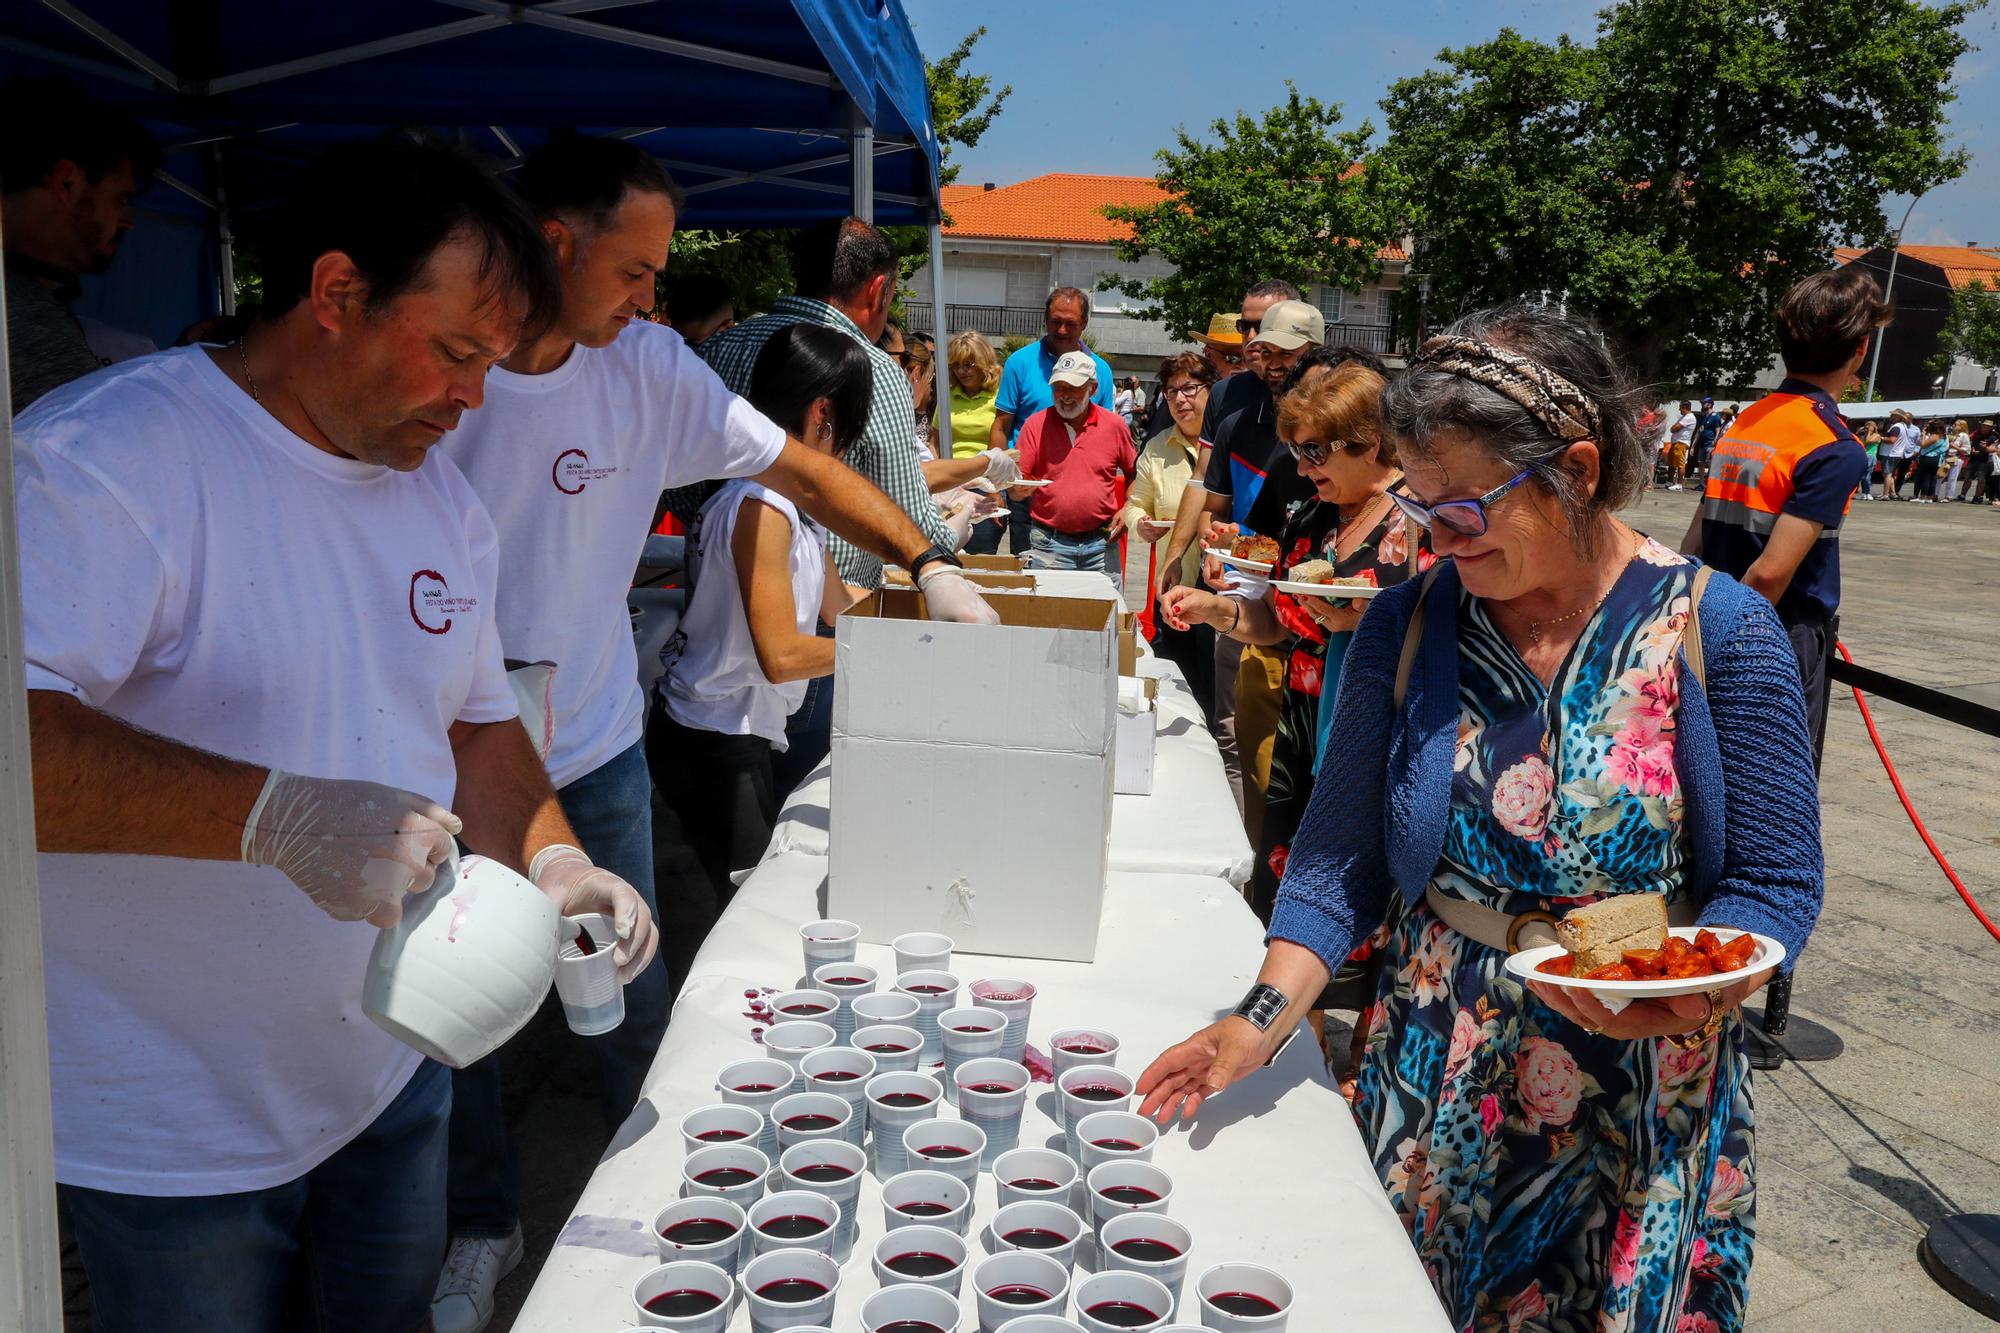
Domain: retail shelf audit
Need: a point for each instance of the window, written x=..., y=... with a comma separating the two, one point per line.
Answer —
x=975, y=286
x=1331, y=302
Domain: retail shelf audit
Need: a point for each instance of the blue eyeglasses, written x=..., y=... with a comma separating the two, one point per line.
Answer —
x=1467, y=518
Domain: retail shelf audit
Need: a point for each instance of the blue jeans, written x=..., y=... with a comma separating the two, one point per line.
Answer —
x=1049, y=549
x=354, y=1243
x=611, y=809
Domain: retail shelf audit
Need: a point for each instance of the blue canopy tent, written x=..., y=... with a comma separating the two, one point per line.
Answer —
x=770, y=112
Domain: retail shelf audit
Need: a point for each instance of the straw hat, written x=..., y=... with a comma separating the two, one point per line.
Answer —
x=1222, y=330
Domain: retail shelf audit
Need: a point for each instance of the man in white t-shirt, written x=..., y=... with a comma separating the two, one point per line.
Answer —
x=263, y=673
x=1680, y=439
x=583, y=428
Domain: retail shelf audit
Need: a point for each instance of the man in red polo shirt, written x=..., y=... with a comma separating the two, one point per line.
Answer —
x=1084, y=452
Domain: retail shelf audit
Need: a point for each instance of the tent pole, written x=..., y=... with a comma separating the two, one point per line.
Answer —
x=225, y=235
x=30, y=1266
x=938, y=338
x=861, y=164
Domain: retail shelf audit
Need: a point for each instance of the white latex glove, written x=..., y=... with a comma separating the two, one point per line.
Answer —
x=579, y=888
x=947, y=596
x=355, y=848
x=1002, y=468
x=960, y=518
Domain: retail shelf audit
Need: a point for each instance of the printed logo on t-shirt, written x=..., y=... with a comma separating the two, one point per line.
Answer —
x=433, y=603
x=573, y=471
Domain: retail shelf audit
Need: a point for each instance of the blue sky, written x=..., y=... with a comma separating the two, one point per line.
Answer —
x=1098, y=88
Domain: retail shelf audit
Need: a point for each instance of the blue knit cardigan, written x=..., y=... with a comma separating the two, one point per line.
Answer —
x=1376, y=822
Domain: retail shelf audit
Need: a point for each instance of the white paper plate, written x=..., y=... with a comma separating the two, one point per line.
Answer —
x=1033, y=481
x=1335, y=592
x=1254, y=566
x=1769, y=954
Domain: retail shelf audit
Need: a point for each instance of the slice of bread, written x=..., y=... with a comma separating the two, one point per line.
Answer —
x=1600, y=933
x=1310, y=571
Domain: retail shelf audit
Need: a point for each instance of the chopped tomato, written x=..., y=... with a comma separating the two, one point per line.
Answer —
x=1646, y=964
x=1611, y=972
x=1559, y=966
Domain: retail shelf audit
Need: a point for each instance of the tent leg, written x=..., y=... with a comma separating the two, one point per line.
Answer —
x=861, y=164
x=939, y=325
x=30, y=1266
x=225, y=238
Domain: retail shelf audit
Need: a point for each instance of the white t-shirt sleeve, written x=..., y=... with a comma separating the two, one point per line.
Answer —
x=491, y=698
x=97, y=598
x=711, y=434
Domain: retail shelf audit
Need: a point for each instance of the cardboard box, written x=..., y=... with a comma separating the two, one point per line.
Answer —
x=996, y=564
x=934, y=723
x=1128, y=643
x=1138, y=732
x=990, y=580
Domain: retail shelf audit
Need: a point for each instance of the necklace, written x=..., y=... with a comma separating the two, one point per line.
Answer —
x=243, y=360
x=1535, y=626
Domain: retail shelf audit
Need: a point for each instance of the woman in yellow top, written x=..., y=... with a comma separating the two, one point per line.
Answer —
x=1167, y=463
x=975, y=383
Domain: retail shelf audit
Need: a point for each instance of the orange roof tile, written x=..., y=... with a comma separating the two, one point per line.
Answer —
x=1959, y=263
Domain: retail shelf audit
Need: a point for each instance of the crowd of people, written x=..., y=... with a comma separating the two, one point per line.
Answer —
x=274, y=582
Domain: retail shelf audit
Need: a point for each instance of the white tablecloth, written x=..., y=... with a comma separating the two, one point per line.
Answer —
x=1293, y=1190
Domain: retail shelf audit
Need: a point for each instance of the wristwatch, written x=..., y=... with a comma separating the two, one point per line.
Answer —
x=931, y=555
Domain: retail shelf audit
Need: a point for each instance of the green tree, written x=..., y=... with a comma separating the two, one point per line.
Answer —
x=963, y=105
x=1278, y=197
x=1971, y=329
x=1678, y=175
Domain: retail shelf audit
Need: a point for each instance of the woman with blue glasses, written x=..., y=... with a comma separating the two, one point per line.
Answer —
x=1534, y=724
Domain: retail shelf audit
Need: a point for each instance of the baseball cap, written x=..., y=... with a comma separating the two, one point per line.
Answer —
x=1222, y=330
x=1291, y=324
x=1708, y=402
x=1074, y=368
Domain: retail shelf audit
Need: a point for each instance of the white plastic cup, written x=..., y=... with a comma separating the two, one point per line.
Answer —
x=726, y=1122
x=1012, y=1169
x=1013, y=997
x=889, y=1121
x=686, y=1275
x=701, y=1208
x=1106, y=1185
x=1124, y=1290
x=1158, y=1228
x=951, y=1146
x=940, y=1245
x=940, y=1201
x=1017, y=1269
x=1073, y=1048
x=818, y=1168
x=773, y=1209
x=1075, y=1107
x=731, y=1157
x=793, y=1041
x=809, y=1004
x=758, y=1084
x=587, y=983
x=883, y=1006
x=763, y=1278
x=845, y=982
x=1043, y=1323
x=998, y=1113
x=969, y=1032
x=1225, y=1280
x=1100, y=1134
x=844, y=1072
x=922, y=950
x=930, y=1004
x=1033, y=1224
x=818, y=1105
x=829, y=940
x=901, y=1046
x=909, y=1301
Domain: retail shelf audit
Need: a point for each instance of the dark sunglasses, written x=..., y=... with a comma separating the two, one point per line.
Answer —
x=1315, y=453
x=1246, y=327
x=1467, y=518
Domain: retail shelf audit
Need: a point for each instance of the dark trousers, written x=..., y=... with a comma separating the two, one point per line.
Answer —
x=721, y=791
x=1925, y=485
x=808, y=732
x=1812, y=644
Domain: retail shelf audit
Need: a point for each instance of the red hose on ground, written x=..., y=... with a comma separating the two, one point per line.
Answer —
x=1911, y=810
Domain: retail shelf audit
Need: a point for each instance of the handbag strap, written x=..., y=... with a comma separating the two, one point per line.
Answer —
x=1691, y=636
x=1414, y=635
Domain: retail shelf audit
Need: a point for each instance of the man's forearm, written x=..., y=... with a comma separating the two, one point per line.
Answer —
x=102, y=785
x=1003, y=426
x=847, y=503
x=1187, y=522
x=504, y=797
x=949, y=473
x=1691, y=543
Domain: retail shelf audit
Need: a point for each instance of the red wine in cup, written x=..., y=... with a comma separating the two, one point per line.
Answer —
x=1036, y=1238
x=885, y=1048
x=1018, y=1293
x=823, y=1173
x=755, y=1087
x=584, y=944
x=1122, y=1314
x=904, y=1101
x=792, y=1291
x=943, y=1151
x=1034, y=1183
x=1146, y=1251
x=922, y=1209
x=725, y=1177
x=837, y=1076
x=806, y=1124
x=972, y=1027
x=1099, y=1092
x=804, y=1010
x=700, y=1231
x=845, y=981
x=793, y=1226
x=1245, y=1303
x=926, y=989
x=991, y=1089
x=920, y=1263
x=686, y=1302
x=1109, y=1145
x=1085, y=1048
x=1129, y=1194
x=908, y=1326
x=720, y=1136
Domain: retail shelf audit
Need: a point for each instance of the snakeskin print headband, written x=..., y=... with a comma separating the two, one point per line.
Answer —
x=1559, y=405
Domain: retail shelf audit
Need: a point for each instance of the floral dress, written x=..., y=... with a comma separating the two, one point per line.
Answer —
x=1554, y=1181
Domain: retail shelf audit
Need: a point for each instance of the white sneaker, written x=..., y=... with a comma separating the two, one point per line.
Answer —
x=1675, y=487
x=473, y=1267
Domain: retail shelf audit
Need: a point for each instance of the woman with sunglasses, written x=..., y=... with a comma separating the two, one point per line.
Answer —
x=1530, y=726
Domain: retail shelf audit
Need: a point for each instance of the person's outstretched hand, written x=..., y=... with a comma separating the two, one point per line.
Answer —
x=1184, y=1076
x=947, y=596
x=578, y=888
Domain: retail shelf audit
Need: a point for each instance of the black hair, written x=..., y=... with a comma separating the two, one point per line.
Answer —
x=695, y=297
x=388, y=205
x=836, y=259
x=890, y=326
x=803, y=363
x=1076, y=294
x=50, y=120
x=586, y=178
x=1320, y=355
